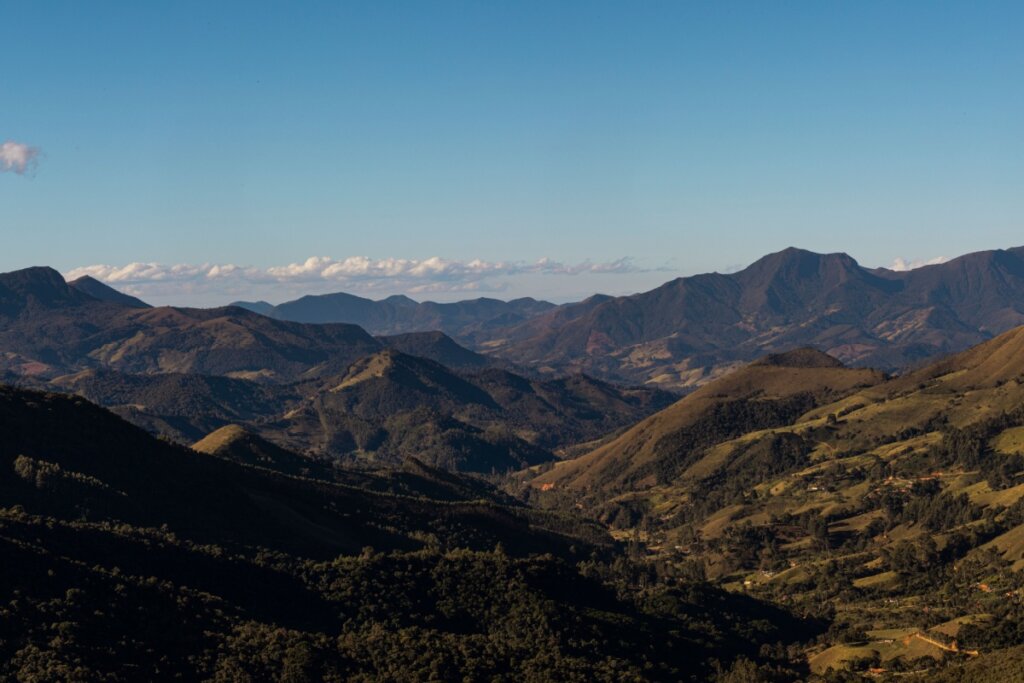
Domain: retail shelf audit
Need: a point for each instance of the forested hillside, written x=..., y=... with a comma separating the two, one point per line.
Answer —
x=130, y=559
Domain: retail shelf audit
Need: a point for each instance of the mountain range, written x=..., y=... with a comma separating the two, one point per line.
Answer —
x=385, y=407
x=399, y=314
x=330, y=390
x=835, y=493
x=676, y=336
x=48, y=327
x=693, y=329
x=184, y=372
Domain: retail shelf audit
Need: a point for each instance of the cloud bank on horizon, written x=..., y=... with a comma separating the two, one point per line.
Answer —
x=320, y=274
x=17, y=157
x=219, y=283
x=902, y=265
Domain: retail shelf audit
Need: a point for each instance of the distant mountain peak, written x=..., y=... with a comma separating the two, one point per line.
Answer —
x=692, y=329
x=805, y=357
x=398, y=314
x=223, y=438
x=438, y=347
x=42, y=286
x=374, y=366
x=36, y=287
x=33, y=277
x=104, y=292
x=793, y=263
x=261, y=307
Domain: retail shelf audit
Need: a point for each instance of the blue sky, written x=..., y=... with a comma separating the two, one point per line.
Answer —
x=683, y=137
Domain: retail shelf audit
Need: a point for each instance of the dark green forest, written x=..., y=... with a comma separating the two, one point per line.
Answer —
x=127, y=558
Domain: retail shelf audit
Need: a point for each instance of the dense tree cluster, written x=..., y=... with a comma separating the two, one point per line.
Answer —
x=724, y=421
x=143, y=604
x=129, y=559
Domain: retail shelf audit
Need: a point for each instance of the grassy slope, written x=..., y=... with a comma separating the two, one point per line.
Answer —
x=613, y=462
x=896, y=425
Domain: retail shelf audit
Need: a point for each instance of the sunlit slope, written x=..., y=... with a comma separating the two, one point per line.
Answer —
x=949, y=429
x=792, y=383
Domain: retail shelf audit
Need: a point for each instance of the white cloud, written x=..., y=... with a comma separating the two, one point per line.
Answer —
x=901, y=264
x=318, y=274
x=17, y=157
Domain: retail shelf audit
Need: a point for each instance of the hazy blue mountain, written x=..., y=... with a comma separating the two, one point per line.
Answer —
x=103, y=292
x=400, y=314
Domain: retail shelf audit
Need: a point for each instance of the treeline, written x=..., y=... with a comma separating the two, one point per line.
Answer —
x=751, y=464
x=144, y=605
x=970, y=448
x=724, y=421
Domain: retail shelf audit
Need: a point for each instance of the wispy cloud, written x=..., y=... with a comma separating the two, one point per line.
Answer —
x=17, y=157
x=901, y=264
x=359, y=274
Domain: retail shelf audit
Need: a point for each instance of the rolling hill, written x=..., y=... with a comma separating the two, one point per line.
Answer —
x=182, y=407
x=898, y=502
x=390, y=406
x=131, y=559
x=412, y=478
x=103, y=467
x=764, y=394
x=387, y=406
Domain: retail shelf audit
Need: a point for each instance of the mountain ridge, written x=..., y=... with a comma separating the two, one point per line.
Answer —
x=690, y=329
x=50, y=328
x=398, y=314
x=104, y=292
x=794, y=382
x=678, y=336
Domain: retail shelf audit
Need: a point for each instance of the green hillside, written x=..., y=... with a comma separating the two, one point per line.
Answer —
x=881, y=506
x=127, y=558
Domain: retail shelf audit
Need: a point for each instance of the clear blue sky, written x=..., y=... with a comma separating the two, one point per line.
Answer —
x=686, y=136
